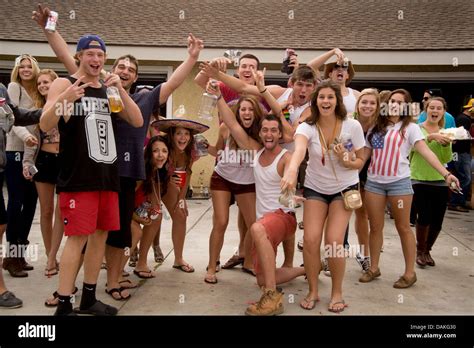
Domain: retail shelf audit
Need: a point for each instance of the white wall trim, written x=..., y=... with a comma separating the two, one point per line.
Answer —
x=178, y=54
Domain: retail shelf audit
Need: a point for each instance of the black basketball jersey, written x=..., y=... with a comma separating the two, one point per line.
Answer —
x=87, y=150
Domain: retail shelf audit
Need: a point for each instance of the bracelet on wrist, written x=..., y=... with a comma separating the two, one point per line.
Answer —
x=445, y=176
x=263, y=91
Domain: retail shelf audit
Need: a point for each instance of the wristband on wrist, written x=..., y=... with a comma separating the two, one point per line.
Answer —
x=263, y=91
x=445, y=176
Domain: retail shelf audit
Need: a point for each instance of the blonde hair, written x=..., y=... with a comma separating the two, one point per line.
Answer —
x=41, y=100
x=15, y=75
x=375, y=93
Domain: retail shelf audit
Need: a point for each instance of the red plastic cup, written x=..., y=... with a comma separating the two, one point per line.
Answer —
x=182, y=175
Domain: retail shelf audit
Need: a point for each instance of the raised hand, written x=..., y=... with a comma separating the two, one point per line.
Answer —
x=75, y=92
x=259, y=77
x=339, y=55
x=221, y=63
x=195, y=46
x=41, y=15
x=209, y=70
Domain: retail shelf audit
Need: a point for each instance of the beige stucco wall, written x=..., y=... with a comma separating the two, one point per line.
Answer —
x=189, y=94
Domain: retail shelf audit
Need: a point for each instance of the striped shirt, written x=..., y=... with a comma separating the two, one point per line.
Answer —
x=390, y=151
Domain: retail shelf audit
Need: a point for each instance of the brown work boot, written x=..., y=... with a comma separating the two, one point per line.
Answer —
x=421, y=240
x=271, y=303
x=14, y=267
x=25, y=266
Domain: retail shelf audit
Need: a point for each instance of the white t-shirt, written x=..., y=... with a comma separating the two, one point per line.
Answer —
x=389, y=161
x=320, y=177
x=295, y=113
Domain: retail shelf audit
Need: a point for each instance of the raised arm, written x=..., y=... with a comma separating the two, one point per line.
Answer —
x=220, y=63
x=237, y=85
x=55, y=40
x=244, y=141
x=319, y=61
x=177, y=78
x=213, y=150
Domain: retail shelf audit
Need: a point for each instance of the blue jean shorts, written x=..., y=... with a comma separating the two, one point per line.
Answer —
x=400, y=187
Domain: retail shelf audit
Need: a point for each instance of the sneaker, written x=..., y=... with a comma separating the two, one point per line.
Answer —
x=9, y=300
x=325, y=264
x=364, y=262
x=133, y=258
x=300, y=245
x=271, y=303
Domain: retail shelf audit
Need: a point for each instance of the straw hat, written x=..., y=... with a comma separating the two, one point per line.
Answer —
x=165, y=124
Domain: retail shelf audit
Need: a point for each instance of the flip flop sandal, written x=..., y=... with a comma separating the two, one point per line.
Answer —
x=113, y=291
x=50, y=272
x=249, y=271
x=331, y=307
x=48, y=303
x=210, y=279
x=184, y=268
x=235, y=260
x=139, y=274
x=98, y=308
x=311, y=303
x=127, y=281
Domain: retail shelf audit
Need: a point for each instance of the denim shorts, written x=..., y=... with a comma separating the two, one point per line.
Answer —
x=400, y=187
x=325, y=198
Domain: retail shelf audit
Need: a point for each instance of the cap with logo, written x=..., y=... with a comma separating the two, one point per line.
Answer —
x=90, y=41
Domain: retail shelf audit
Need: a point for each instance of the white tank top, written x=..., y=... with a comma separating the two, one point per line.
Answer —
x=235, y=165
x=267, y=186
x=350, y=101
x=295, y=113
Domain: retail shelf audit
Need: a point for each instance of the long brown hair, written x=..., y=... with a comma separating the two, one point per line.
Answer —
x=172, y=150
x=340, y=111
x=383, y=121
x=258, y=114
x=152, y=175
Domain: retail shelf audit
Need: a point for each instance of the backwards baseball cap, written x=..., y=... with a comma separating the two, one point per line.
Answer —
x=90, y=41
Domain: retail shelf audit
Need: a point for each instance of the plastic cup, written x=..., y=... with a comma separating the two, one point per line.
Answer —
x=115, y=102
x=182, y=175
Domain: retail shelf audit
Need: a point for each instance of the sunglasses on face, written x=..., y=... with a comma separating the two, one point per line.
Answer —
x=425, y=98
x=337, y=66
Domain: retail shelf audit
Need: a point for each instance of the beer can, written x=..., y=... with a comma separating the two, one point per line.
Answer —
x=52, y=20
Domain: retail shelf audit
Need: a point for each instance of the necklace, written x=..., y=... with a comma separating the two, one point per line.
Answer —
x=322, y=140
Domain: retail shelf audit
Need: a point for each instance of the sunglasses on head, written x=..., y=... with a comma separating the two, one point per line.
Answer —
x=24, y=56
